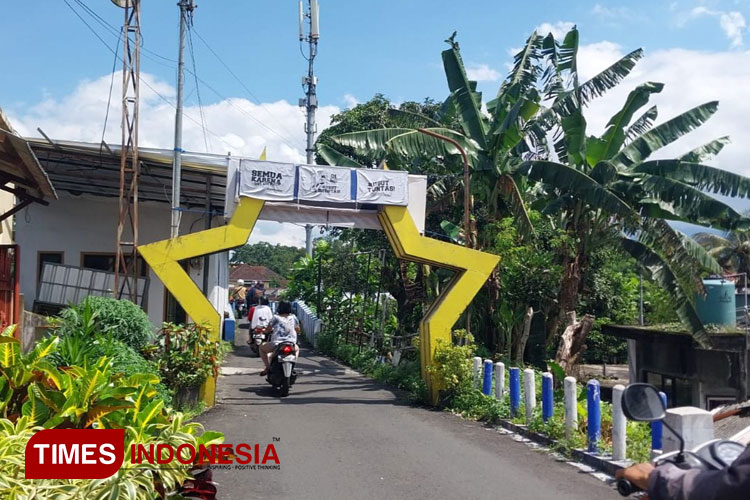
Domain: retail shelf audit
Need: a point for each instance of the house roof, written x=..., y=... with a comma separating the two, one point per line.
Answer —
x=20, y=172
x=94, y=169
x=254, y=273
x=733, y=422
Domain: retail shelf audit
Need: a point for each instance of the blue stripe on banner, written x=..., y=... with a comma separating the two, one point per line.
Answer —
x=296, y=182
x=354, y=185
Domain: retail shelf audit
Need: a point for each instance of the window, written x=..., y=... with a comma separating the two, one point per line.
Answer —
x=52, y=257
x=679, y=391
x=106, y=262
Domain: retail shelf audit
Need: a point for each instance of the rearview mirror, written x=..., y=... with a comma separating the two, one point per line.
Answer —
x=642, y=403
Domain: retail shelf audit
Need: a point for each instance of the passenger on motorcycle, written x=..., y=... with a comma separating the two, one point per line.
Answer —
x=260, y=316
x=285, y=327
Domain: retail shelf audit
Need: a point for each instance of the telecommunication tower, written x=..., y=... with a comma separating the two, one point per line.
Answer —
x=126, y=260
x=309, y=19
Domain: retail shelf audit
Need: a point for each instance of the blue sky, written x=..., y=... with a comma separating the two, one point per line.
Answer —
x=389, y=46
x=57, y=74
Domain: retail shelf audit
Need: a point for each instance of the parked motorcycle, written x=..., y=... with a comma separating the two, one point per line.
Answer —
x=642, y=403
x=257, y=337
x=281, y=374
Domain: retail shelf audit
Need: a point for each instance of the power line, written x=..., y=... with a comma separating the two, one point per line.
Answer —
x=197, y=86
x=141, y=79
x=115, y=32
x=237, y=78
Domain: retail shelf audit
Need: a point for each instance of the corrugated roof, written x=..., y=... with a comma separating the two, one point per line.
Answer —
x=20, y=168
x=255, y=273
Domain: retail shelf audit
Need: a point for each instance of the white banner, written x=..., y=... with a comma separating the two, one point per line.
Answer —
x=317, y=183
x=383, y=187
x=267, y=180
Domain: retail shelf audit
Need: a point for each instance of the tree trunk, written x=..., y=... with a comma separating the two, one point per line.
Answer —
x=572, y=342
x=567, y=296
x=523, y=338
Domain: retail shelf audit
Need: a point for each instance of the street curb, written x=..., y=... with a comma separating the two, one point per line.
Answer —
x=598, y=462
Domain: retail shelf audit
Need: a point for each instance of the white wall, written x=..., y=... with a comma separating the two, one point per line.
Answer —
x=7, y=200
x=89, y=224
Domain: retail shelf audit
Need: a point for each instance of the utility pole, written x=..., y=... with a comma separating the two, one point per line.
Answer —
x=126, y=260
x=309, y=83
x=186, y=9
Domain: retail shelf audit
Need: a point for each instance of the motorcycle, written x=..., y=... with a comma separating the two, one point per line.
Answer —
x=257, y=337
x=281, y=374
x=642, y=403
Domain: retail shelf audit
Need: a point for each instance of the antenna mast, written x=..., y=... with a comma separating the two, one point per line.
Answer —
x=309, y=83
x=126, y=261
x=186, y=9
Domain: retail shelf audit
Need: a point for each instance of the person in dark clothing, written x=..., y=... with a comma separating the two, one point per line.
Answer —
x=669, y=482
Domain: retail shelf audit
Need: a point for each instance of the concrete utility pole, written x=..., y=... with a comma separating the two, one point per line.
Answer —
x=186, y=9
x=309, y=83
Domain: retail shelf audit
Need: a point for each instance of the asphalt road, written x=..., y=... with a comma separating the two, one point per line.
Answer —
x=344, y=436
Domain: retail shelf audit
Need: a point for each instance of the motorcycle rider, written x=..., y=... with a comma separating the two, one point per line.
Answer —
x=285, y=327
x=669, y=482
x=239, y=295
x=260, y=316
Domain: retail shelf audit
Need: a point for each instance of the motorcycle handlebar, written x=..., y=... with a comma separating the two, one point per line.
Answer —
x=626, y=488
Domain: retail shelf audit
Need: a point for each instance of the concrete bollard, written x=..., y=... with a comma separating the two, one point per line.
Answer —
x=657, y=429
x=694, y=425
x=499, y=380
x=515, y=391
x=529, y=393
x=487, y=380
x=477, y=372
x=619, y=424
x=548, y=402
x=593, y=400
x=570, y=401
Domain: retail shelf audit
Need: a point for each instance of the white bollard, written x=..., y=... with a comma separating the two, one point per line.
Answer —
x=499, y=380
x=477, y=372
x=529, y=393
x=696, y=426
x=571, y=406
x=619, y=423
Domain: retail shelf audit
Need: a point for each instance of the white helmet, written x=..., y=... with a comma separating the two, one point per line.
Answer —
x=240, y=282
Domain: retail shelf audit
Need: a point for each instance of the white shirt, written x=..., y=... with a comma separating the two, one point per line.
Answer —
x=262, y=316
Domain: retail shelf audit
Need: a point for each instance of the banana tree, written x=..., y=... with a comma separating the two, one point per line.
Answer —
x=607, y=188
x=494, y=142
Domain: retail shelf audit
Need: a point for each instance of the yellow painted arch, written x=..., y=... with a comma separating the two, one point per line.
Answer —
x=472, y=268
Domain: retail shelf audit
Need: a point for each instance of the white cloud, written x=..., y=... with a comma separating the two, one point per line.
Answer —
x=611, y=13
x=482, y=73
x=558, y=29
x=350, y=101
x=732, y=23
x=283, y=233
x=691, y=78
x=235, y=125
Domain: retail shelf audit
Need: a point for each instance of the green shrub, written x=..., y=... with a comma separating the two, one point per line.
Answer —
x=119, y=319
x=187, y=356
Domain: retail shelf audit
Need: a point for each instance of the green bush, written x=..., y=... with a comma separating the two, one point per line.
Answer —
x=119, y=319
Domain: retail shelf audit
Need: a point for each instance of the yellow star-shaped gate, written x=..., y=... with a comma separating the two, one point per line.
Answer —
x=471, y=267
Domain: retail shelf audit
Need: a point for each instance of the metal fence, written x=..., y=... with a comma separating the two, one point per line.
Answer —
x=311, y=324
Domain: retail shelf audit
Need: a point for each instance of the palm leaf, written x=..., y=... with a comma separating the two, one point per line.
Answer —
x=333, y=157
x=700, y=176
x=614, y=136
x=570, y=181
x=525, y=71
x=508, y=189
x=707, y=151
x=467, y=100
x=659, y=271
x=609, y=78
x=641, y=125
x=693, y=204
x=666, y=133
x=710, y=240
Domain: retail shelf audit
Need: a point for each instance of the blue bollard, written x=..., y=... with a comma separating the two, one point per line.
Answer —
x=657, y=428
x=515, y=391
x=487, y=380
x=548, y=402
x=593, y=399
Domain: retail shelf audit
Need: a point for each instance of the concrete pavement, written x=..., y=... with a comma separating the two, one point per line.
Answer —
x=344, y=436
